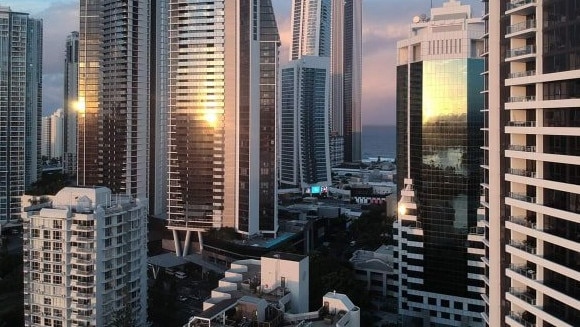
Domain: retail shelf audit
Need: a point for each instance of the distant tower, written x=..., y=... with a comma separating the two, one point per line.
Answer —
x=304, y=152
x=113, y=94
x=346, y=78
x=439, y=237
x=20, y=108
x=53, y=135
x=71, y=72
x=222, y=118
x=310, y=28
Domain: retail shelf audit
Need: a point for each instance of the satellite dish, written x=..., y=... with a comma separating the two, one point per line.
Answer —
x=416, y=19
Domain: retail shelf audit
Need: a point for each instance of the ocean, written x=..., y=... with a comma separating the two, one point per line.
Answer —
x=379, y=141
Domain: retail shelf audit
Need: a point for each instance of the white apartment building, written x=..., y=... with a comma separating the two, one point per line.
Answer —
x=532, y=163
x=85, y=258
x=375, y=269
x=53, y=134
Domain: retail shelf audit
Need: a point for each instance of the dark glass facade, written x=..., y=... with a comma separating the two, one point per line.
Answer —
x=113, y=86
x=444, y=142
x=269, y=44
x=561, y=35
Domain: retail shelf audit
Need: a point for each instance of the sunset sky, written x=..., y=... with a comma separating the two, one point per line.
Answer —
x=384, y=22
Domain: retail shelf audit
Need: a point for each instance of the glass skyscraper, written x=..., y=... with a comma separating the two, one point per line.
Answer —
x=346, y=79
x=304, y=150
x=223, y=63
x=438, y=156
x=113, y=117
x=20, y=108
x=70, y=106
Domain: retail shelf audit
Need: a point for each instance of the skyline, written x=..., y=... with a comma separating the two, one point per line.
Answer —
x=384, y=23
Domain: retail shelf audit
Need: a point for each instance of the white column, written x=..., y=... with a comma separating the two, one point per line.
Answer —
x=177, y=245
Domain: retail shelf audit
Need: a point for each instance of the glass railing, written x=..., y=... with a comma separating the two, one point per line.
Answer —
x=517, y=316
x=523, y=98
x=530, y=23
x=522, y=221
x=526, y=50
x=518, y=3
x=525, y=148
x=523, y=294
x=522, y=123
x=522, y=74
x=523, y=270
x=521, y=172
x=523, y=246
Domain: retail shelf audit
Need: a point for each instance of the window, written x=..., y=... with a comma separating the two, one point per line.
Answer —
x=47, y=301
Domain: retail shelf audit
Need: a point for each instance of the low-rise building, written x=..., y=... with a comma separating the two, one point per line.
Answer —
x=272, y=291
x=375, y=268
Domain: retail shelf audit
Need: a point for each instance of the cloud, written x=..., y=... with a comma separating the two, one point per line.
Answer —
x=59, y=19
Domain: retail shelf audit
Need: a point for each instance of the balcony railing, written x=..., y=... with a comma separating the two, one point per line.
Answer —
x=523, y=246
x=522, y=221
x=476, y=230
x=522, y=197
x=522, y=74
x=518, y=3
x=522, y=172
x=517, y=316
x=530, y=23
x=523, y=294
x=523, y=270
x=523, y=98
x=522, y=51
x=525, y=148
x=522, y=123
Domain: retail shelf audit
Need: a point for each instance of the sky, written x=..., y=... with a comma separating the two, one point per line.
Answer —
x=384, y=23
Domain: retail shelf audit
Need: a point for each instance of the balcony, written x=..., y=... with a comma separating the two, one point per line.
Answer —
x=519, y=317
x=525, y=25
x=523, y=98
x=522, y=172
x=521, y=51
x=523, y=270
x=523, y=246
x=526, y=73
x=523, y=294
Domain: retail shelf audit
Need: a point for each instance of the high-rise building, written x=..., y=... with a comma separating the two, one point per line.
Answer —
x=346, y=78
x=113, y=118
x=53, y=135
x=85, y=259
x=304, y=145
x=440, y=242
x=20, y=108
x=223, y=63
x=310, y=28
x=531, y=186
x=70, y=106
x=304, y=113
x=158, y=111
